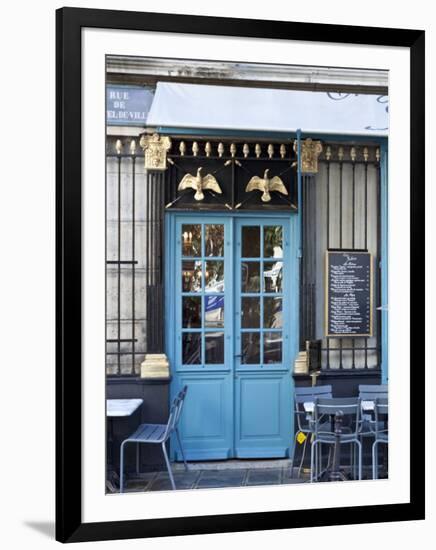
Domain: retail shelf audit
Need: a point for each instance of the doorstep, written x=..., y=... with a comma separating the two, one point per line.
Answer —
x=234, y=464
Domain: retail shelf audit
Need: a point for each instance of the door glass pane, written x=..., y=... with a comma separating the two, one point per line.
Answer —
x=191, y=276
x=272, y=313
x=214, y=276
x=250, y=312
x=272, y=276
x=250, y=276
x=251, y=241
x=214, y=240
x=273, y=241
x=191, y=240
x=272, y=347
x=191, y=312
x=214, y=347
x=214, y=316
x=191, y=348
x=250, y=348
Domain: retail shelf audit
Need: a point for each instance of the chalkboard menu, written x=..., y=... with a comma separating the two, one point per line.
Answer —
x=348, y=293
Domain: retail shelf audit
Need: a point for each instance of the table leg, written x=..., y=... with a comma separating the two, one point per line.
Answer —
x=335, y=473
x=112, y=478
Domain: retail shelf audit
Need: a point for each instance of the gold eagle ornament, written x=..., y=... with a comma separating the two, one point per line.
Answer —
x=199, y=184
x=266, y=185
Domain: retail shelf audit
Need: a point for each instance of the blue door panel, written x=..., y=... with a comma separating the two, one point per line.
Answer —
x=239, y=384
x=263, y=426
x=258, y=421
x=206, y=425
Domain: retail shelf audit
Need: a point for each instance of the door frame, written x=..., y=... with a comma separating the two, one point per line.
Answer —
x=171, y=219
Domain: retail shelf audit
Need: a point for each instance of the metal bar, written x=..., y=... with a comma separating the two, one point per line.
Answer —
x=121, y=262
x=114, y=320
x=378, y=267
x=373, y=348
x=345, y=161
x=113, y=340
x=147, y=257
x=328, y=246
x=353, y=241
x=161, y=259
x=366, y=206
x=119, y=265
x=225, y=158
x=133, y=265
x=366, y=244
x=123, y=353
x=305, y=258
x=340, y=240
x=299, y=227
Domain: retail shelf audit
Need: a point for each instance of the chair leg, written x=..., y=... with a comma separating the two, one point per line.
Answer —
x=303, y=454
x=359, y=448
x=137, y=458
x=312, y=461
x=319, y=459
x=329, y=458
x=181, y=449
x=374, y=460
x=170, y=473
x=122, y=466
x=294, y=449
x=352, y=461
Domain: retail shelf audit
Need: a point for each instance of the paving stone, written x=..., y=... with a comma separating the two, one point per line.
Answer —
x=183, y=480
x=135, y=486
x=288, y=478
x=221, y=478
x=142, y=476
x=271, y=476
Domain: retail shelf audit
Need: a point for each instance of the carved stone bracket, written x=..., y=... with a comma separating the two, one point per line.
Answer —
x=155, y=151
x=310, y=151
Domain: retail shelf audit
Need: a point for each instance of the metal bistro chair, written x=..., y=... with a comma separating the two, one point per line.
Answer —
x=304, y=419
x=381, y=431
x=349, y=408
x=157, y=434
x=370, y=392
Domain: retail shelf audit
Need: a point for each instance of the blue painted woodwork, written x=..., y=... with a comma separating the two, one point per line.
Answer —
x=384, y=258
x=233, y=408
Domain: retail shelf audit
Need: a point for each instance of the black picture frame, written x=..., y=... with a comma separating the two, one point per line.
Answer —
x=69, y=525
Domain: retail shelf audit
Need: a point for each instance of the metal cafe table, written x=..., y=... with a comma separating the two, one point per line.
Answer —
x=333, y=473
x=117, y=408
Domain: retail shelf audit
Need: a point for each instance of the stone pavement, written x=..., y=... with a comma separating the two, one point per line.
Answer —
x=199, y=478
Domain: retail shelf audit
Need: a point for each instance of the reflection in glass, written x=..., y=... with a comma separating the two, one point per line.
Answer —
x=214, y=347
x=250, y=241
x=250, y=348
x=214, y=276
x=191, y=311
x=250, y=312
x=191, y=240
x=272, y=313
x=273, y=241
x=272, y=347
x=214, y=306
x=191, y=276
x=214, y=240
x=250, y=276
x=272, y=276
x=191, y=348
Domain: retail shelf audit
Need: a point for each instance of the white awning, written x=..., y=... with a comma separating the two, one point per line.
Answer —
x=199, y=106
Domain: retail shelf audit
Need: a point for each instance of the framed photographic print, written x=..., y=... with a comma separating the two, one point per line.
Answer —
x=240, y=274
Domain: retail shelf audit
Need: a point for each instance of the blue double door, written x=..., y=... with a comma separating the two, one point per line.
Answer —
x=232, y=333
